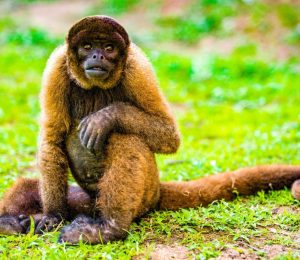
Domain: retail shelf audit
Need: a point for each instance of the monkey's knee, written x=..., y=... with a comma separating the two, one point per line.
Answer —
x=127, y=142
x=131, y=153
x=296, y=189
x=22, y=198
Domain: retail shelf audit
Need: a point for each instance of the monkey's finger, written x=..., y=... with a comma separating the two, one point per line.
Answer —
x=82, y=126
x=82, y=123
x=86, y=137
x=92, y=139
x=99, y=143
x=82, y=131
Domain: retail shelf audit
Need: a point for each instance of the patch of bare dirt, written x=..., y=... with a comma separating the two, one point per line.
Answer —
x=237, y=253
x=137, y=22
x=174, y=7
x=207, y=45
x=219, y=46
x=55, y=17
x=163, y=252
x=249, y=252
x=291, y=209
x=276, y=250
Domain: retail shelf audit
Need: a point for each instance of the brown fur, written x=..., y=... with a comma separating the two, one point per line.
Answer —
x=120, y=183
x=23, y=198
x=247, y=181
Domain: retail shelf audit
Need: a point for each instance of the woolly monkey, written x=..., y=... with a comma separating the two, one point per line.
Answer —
x=104, y=118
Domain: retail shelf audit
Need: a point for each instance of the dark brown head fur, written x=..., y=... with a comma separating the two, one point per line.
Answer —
x=90, y=28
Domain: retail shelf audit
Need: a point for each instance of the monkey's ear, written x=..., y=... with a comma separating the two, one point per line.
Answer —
x=97, y=26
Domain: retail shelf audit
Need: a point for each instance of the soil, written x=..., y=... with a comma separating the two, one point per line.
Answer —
x=165, y=252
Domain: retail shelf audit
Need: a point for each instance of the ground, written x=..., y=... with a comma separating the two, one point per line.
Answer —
x=230, y=69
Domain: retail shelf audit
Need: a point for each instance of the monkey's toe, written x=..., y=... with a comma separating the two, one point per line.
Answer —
x=11, y=225
x=83, y=229
x=47, y=223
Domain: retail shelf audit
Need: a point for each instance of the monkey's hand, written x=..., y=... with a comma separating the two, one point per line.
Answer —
x=47, y=223
x=94, y=129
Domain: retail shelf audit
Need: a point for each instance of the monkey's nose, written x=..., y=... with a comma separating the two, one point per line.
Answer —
x=95, y=56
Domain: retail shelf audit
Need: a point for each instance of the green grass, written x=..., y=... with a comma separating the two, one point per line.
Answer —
x=237, y=110
x=112, y=7
x=202, y=17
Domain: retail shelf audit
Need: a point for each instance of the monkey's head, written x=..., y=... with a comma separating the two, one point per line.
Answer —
x=97, y=52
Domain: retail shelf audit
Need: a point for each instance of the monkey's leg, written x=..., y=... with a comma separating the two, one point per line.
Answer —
x=23, y=200
x=128, y=189
x=20, y=201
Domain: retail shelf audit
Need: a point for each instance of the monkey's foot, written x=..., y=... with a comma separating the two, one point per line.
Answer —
x=92, y=231
x=12, y=225
x=47, y=223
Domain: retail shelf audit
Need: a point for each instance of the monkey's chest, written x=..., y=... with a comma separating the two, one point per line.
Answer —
x=86, y=167
x=85, y=102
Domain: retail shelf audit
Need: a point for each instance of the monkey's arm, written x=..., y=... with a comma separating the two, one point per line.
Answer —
x=149, y=116
x=158, y=131
x=55, y=120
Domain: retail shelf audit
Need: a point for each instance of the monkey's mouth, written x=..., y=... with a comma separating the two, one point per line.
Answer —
x=96, y=71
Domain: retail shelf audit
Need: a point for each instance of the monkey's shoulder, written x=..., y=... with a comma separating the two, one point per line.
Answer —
x=55, y=75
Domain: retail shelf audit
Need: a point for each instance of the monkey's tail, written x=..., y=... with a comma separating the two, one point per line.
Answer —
x=246, y=181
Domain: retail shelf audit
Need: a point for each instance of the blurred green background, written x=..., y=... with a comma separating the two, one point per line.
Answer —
x=230, y=69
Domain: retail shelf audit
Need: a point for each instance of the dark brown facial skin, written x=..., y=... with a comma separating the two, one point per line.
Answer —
x=98, y=57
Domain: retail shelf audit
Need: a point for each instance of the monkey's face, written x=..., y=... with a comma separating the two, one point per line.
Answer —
x=97, y=52
x=98, y=58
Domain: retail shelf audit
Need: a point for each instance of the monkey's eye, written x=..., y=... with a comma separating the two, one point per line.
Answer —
x=109, y=47
x=87, y=46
